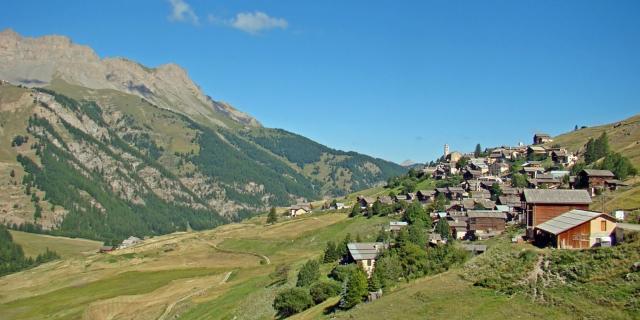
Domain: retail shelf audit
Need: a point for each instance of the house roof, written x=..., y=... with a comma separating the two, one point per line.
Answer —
x=557, y=196
x=598, y=173
x=427, y=192
x=537, y=149
x=398, y=223
x=511, y=201
x=628, y=226
x=568, y=220
x=457, y=224
x=385, y=199
x=365, y=250
x=503, y=208
x=616, y=182
x=486, y=214
x=541, y=134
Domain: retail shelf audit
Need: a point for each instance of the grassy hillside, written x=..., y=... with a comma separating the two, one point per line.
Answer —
x=225, y=273
x=34, y=244
x=624, y=137
x=215, y=274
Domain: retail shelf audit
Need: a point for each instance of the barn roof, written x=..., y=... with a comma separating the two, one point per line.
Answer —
x=598, y=173
x=557, y=196
x=486, y=214
x=365, y=250
x=568, y=220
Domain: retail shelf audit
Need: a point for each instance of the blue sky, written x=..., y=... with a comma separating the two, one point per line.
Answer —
x=393, y=79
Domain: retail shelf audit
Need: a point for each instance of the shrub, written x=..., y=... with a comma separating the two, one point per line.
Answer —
x=321, y=291
x=291, y=301
x=309, y=273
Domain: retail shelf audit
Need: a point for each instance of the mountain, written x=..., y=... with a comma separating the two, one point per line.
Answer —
x=39, y=61
x=107, y=148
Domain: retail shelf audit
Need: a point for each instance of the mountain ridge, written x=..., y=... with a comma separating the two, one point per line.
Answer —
x=39, y=61
x=125, y=154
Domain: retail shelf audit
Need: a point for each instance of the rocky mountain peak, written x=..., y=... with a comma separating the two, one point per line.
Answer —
x=38, y=61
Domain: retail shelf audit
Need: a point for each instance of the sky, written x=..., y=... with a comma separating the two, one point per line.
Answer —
x=392, y=79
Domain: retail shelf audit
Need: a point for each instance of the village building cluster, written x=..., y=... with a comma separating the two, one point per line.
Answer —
x=549, y=201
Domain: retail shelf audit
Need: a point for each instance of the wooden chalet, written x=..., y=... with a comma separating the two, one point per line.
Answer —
x=486, y=221
x=458, y=228
x=365, y=254
x=543, y=204
x=577, y=229
x=595, y=179
x=426, y=195
x=386, y=200
x=560, y=156
x=540, y=138
x=396, y=226
x=366, y=202
x=299, y=210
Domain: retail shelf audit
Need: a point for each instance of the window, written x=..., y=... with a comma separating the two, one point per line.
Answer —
x=603, y=225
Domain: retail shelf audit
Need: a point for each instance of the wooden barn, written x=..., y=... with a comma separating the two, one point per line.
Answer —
x=595, y=179
x=486, y=221
x=577, y=229
x=541, y=205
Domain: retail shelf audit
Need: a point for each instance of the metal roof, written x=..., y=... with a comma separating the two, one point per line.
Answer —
x=628, y=226
x=364, y=250
x=598, y=173
x=486, y=214
x=557, y=196
x=568, y=220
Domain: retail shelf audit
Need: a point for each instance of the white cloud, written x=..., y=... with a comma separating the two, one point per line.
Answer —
x=254, y=22
x=182, y=12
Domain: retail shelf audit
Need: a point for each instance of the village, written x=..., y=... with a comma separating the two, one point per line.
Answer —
x=534, y=188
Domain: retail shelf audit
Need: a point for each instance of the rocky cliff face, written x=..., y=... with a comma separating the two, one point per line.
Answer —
x=38, y=61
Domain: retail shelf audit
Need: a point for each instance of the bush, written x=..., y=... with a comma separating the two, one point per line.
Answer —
x=341, y=272
x=321, y=291
x=291, y=301
x=309, y=273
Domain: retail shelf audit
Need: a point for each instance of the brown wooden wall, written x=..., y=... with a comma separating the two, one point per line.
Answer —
x=575, y=238
x=496, y=224
x=544, y=212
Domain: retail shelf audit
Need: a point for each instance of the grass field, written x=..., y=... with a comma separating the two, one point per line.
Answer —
x=447, y=296
x=224, y=274
x=34, y=244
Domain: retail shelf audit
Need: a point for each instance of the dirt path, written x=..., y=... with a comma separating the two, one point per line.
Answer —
x=261, y=256
x=226, y=277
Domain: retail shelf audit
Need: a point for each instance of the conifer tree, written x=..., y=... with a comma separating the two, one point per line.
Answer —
x=442, y=227
x=273, y=216
x=355, y=289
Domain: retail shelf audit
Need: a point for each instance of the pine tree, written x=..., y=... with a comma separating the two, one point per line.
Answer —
x=442, y=227
x=308, y=274
x=355, y=211
x=478, y=152
x=330, y=252
x=273, y=216
x=355, y=290
x=343, y=250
